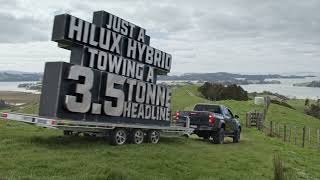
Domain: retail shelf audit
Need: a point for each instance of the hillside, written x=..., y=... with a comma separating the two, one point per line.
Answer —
x=224, y=76
x=19, y=76
x=308, y=84
x=35, y=153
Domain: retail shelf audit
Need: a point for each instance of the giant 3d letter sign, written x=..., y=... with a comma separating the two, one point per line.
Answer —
x=111, y=76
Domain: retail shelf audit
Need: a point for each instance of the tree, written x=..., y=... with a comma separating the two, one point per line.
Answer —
x=214, y=91
x=313, y=110
x=306, y=102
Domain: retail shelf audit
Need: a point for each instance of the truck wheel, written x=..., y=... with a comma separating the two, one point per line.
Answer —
x=218, y=138
x=137, y=136
x=153, y=136
x=236, y=137
x=118, y=136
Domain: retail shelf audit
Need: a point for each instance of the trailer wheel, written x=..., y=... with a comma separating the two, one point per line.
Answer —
x=153, y=136
x=137, y=136
x=67, y=133
x=119, y=136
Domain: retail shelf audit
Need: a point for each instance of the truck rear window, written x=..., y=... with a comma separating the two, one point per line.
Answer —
x=211, y=108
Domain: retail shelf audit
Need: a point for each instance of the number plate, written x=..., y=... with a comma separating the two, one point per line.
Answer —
x=42, y=121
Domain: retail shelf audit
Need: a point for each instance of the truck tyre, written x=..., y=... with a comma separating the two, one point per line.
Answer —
x=153, y=136
x=118, y=136
x=218, y=137
x=137, y=136
x=236, y=137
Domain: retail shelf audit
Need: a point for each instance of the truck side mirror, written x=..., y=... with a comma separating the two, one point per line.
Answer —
x=236, y=116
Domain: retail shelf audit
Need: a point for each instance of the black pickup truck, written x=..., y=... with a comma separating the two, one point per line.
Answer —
x=211, y=120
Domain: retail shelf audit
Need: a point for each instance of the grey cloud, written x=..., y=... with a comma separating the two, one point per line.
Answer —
x=200, y=35
x=21, y=29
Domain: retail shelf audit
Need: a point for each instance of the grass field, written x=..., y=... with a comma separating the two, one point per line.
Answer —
x=28, y=152
x=19, y=97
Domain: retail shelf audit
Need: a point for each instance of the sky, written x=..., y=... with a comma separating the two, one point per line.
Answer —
x=238, y=36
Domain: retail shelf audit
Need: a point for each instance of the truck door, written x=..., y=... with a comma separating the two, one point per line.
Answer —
x=228, y=119
x=233, y=121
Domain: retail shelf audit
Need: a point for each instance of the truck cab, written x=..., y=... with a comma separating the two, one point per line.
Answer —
x=212, y=121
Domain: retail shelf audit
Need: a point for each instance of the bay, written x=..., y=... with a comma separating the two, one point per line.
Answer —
x=13, y=86
x=286, y=88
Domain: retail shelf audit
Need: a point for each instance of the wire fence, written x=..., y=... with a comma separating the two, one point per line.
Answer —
x=300, y=136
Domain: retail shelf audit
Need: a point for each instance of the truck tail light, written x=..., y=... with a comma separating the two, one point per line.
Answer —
x=211, y=118
x=53, y=122
x=177, y=115
x=4, y=115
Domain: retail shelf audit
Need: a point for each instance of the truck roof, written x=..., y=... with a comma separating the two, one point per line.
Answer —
x=210, y=105
x=207, y=104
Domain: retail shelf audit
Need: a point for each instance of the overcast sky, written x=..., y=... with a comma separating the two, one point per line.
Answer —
x=247, y=36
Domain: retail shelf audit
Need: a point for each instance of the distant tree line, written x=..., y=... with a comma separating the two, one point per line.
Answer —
x=314, y=84
x=214, y=91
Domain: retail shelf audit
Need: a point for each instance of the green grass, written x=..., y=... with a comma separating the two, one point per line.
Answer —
x=298, y=104
x=19, y=97
x=29, y=152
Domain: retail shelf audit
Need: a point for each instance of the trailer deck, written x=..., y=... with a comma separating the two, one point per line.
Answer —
x=101, y=128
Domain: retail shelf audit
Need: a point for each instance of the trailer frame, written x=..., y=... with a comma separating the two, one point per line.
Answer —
x=97, y=128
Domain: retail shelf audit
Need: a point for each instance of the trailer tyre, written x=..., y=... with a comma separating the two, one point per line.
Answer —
x=119, y=136
x=218, y=137
x=153, y=136
x=67, y=133
x=137, y=136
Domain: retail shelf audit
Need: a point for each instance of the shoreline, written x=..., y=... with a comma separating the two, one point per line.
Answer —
x=39, y=93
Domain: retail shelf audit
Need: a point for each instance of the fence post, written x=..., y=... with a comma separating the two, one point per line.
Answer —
x=270, y=128
x=246, y=119
x=289, y=138
x=319, y=138
x=279, y=129
x=309, y=135
x=295, y=135
x=248, y=123
x=303, y=135
x=284, y=132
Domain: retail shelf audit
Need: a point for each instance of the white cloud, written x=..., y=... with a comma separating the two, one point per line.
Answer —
x=234, y=36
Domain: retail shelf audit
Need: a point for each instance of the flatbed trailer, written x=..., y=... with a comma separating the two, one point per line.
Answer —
x=117, y=133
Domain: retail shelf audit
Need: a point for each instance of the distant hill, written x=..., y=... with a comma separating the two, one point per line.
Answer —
x=217, y=77
x=223, y=76
x=309, y=84
x=6, y=76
